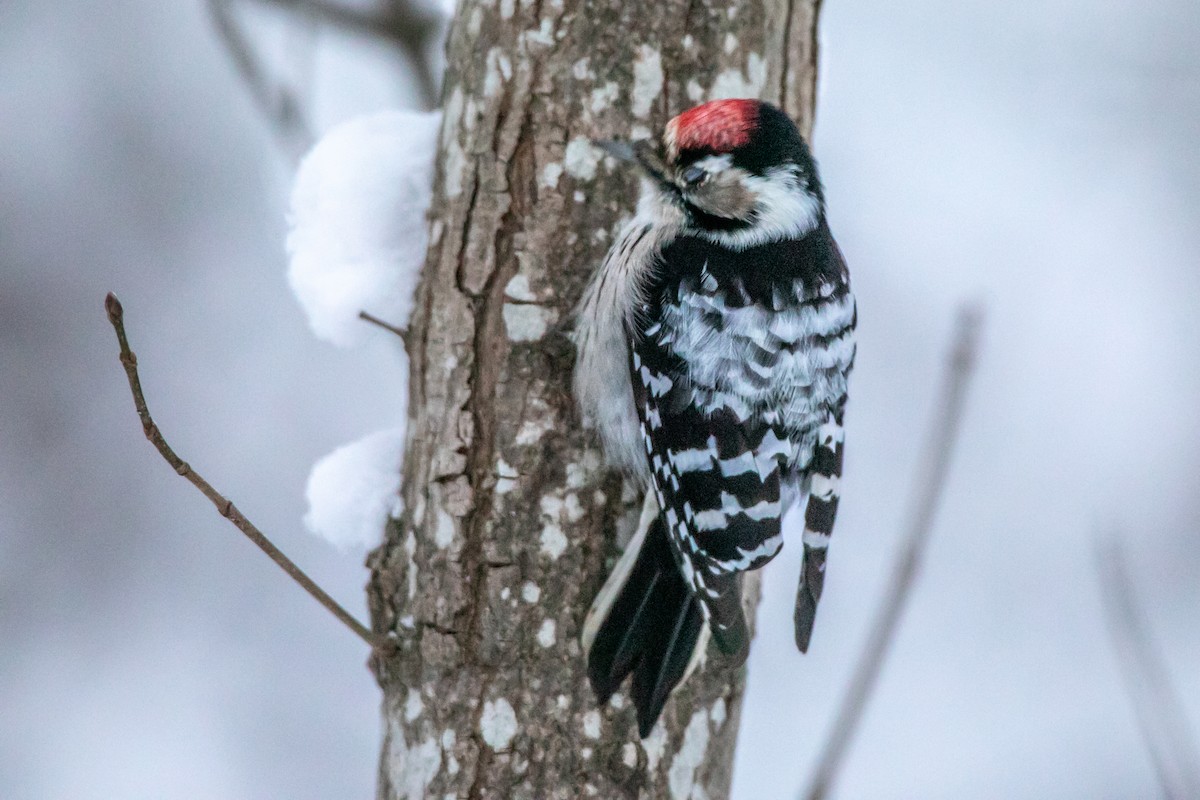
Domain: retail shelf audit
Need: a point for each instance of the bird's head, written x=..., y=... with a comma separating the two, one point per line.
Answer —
x=739, y=169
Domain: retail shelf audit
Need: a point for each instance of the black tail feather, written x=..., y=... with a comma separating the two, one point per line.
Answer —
x=728, y=620
x=808, y=594
x=651, y=630
x=633, y=641
x=661, y=669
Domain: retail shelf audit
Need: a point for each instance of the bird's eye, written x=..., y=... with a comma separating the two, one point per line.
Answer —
x=694, y=176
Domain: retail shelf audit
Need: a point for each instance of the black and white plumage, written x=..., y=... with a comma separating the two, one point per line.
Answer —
x=714, y=349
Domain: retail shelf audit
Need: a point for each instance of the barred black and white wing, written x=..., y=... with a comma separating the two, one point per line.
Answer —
x=737, y=365
x=716, y=475
x=739, y=379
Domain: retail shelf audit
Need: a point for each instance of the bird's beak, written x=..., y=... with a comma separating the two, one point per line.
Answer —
x=642, y=154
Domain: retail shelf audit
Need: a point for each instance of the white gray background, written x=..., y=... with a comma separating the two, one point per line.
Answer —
x=1040, y=156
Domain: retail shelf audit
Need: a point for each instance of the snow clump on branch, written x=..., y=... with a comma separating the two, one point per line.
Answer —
x=358, y=222
x=353, y=491
x=357, y=240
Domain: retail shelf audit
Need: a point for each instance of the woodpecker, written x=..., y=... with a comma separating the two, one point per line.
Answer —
x=714, y=346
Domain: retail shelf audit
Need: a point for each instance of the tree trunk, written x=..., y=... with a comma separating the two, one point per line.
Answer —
x=512, y=522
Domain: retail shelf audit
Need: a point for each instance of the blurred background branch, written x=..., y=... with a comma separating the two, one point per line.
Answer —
x=416, y=31
x=1158, y=707
x=415, y=28
x=929, y=488
x=276, y=100
x=407, y=23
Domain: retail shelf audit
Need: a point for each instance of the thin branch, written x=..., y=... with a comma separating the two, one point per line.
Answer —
x=276, y=100
x=387, y=326
x=936, y=461
x=1165, y=730
x=116, y=316
x=415, y=28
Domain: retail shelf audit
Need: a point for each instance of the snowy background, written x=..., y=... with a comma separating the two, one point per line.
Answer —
x=1041, y=156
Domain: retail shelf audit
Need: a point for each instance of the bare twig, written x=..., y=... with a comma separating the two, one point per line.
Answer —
x=415, y=28
x=116, y=316
x=936, y=461
x=1168, y=739
x=387, y=326
x=277, y=101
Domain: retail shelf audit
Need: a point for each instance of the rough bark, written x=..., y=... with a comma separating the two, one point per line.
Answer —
x=511, y=521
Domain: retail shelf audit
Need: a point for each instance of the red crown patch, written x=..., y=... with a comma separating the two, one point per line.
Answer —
x=719, y=125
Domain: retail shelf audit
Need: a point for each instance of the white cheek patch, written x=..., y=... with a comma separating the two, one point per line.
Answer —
x=784, y=209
